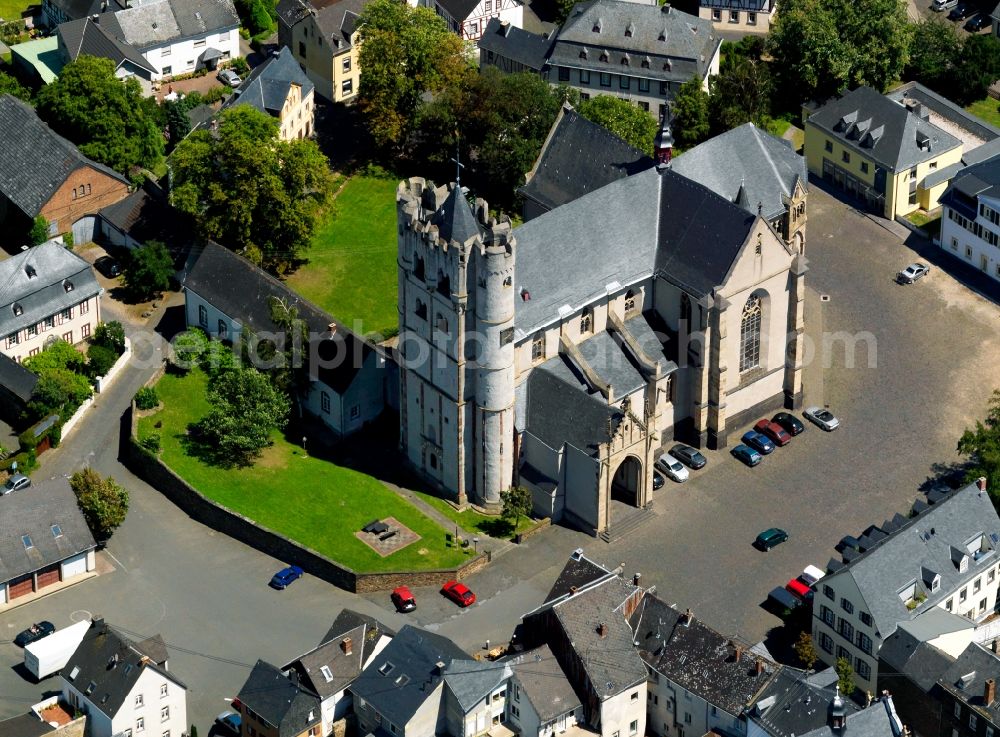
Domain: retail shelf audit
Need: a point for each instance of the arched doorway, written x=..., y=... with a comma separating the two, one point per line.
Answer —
x=627, y=481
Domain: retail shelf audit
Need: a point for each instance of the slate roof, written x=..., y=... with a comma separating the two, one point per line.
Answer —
x=746, y=158
x=242, y=291
x=280, y=700
x=558, y=413
x=16, y=379
x=349, y=619
x=697, y=658
x=921, y=662
x=455, y=219
x=472, y=681
x=108, y=687
x=148, y=24
x=878, y=720
x=794, y=702
x=543, y=683
x=966, y=677
x=40, y=282
x=516, y=44
x=398, y=691
x=914, y=93
x=459, y=10
x=88, y=37
x=579, y=157
x=882, y=129
x=268, y=85
x=337, y=19
x=979, y=179
x=146, y=215
x=76, y=9
x=25, y=725
x=926, y=543
x=678, y=46
x=578, y=572
x=34, y=160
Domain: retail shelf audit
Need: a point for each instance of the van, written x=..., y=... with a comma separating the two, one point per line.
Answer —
x=782, y=599
x=939, y=6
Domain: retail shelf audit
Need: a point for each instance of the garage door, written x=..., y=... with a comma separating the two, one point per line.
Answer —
x=19, y=587
x=74, y=566
x=48, y=576
x=83, y=230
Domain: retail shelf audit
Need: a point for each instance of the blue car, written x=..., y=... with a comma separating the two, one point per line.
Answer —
x=285, y=576
x=758, y=442
x=747, y=454
x=229, y=722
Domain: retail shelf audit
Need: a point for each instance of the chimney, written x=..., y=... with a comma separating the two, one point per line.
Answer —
x=345, y=645
x=759, y=667
x=981, y=483
x=990, y=691
x=602, y=630
x=636, y=577
x=737, y=653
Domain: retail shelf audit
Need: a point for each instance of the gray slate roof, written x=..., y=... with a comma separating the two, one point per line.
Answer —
x=40, y=282
x=455, y=219
x=398, y=692
x=697, y=658
x=677, y=45
x=280, y=699
x=764, y=167
x=794, y=702
x=458, y=9
x=147, y=215
x=108, y=687
x=88, y=37
x=516, y=44
x=578, y=572
x=926, y=542
x=966, y=677
x=76, y=9
x=349, y=619
x=16, y=379
x=914, y=94
x=268, y=85
x=921, y=662
x=560, y=413
x=147, y=24
x=544, y=684
x=882, y=129
x=25, y=725
x=337, y=19
x=979, y=179
x=472, y=681
x=34, y=160
x=579, y=157
x=878, y=720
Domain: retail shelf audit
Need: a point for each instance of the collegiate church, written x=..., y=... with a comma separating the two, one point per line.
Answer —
x=565, y=354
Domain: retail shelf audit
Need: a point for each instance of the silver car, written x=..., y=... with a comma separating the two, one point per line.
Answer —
x=15, y=483
x=229, y=78
x=913, y=272
x=822, y=417
x=672, y=467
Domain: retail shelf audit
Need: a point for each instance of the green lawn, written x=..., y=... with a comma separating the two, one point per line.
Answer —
x=352, y=261
x=312, y=501
x=12, y=9
x=475, y=523
x=778, y=126
x=987, y=110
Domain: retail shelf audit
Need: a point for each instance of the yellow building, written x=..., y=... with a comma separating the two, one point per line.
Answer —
x=279, y=88
x=875, y=149
x=323, y=38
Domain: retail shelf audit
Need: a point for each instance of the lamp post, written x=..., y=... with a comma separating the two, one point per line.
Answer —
x=304, y=451
x=475, y=542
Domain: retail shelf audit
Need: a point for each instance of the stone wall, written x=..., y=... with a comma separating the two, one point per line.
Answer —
x=531, y=532
x=365, y=582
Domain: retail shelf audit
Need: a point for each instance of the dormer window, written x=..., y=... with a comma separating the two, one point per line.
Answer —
x=30, y=272
x=597, y=25
x=624, y=61
x=421, y=310
x=662, y=36
x=386, y=668
x=583, y=53
x=629, y=29
x=18, y=309
x=67, y=285
x=667, y=65
x=604, y=56
x=645, y=63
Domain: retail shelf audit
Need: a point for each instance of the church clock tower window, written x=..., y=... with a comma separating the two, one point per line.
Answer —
x=750, y=333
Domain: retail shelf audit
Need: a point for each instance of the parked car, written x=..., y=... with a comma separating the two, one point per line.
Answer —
x=848, y=541
x=758, y=442
x=747, y=454
x=108, y=266
x=783, y=599
x=913, y=272
x=403, y=599
x=811, y=574
x=978, y=23
x=770, y=538
x=961, y=11
x=459, y=593
x=793, y=426
x=672, y=468
x=775, y=432
x=822, y=417
x=229, y=78
x=688, y=456
x=799, y=589
x=939, y=6
x=285, y=577
x=658, y=480
x=16, y=482
x=229, y=722
x=34, y=633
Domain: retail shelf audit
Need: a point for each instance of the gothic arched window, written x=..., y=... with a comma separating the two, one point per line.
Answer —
x=629, y=302
x=587, y=321
x=750, y=333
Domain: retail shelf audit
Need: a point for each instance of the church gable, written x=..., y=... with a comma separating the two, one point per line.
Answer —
x=760, y=256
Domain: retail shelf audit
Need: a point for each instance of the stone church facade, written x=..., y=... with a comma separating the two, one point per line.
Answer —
x=564, y=354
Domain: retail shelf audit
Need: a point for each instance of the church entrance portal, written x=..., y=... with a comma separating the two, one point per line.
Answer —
x=627, y=481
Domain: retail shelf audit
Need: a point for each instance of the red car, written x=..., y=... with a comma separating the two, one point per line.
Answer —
x=773, y=430
x=459, y=593
x=798, y=589
x=403, y=599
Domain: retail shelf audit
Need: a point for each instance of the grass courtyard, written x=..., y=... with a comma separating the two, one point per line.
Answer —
x=12, y=9
x=475, y=523
x=307, y=499
x=988, y=109
x=351, y=269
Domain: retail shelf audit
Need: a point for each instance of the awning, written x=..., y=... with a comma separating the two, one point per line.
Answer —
x=211, y=53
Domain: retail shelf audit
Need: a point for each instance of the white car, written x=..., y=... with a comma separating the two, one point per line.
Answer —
x=822, y=417
x=229, y=78
x=913, y=272
x=672, y=467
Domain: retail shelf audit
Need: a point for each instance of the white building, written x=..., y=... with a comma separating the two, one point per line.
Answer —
x=468, y=18
x=970, y=217
x=541, y=701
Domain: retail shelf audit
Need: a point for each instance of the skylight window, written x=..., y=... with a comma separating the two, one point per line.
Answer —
x=18, y=309
x=56, y=531
x=386, y=668
x=327, y=673
x=90, y=687
x=26, y=539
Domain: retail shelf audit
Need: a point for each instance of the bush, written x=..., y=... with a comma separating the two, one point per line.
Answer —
x=147, y=398
x=59, y=391
x=215, y=94
x=57, y=355
x=103, y=502
x=27, y=461
x=151, y=442
x=100, y=359
x=39, y=231
x=110, y=335
x=240, y=66
x=67, y=239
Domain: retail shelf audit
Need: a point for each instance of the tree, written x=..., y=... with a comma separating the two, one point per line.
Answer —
x=977, y=67
x=805, y=648
x=405, y=53
x=103, y=502
x=845, y=676
x=249, y=190
x=246, y=408
x=254, y=15
x=516, y=503
x=981, y=445
x=100, y=359
x=110, y=335
x=935, y=51
x=58, y=391
x=741, y=93
x=39, y=232
x=57, y=355
x=149, y=271
x=630, y=123
x=690, y=114
x=10, y=86
x=106, y=117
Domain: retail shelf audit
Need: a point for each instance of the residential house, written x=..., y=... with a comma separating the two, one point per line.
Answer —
x=280, y=88
x=401, y=691
x=88, y=37
x=512, y=49
x=541, y=701
x=323, y=37
x=144, y=215
x=125, y=688
x=740, y=16
x=272, y=704
x=225, y=294
x=578, y=157
x=585, y=622
x=49, y=292
x=55, y=12
x=469, y=18
x=43, y=174
x=970, y=216
x=329, y=669
x=700, y=681
x=880, y=151
x=935, y=573
x=17, y=385
x=45, y=540
x=475, y=696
